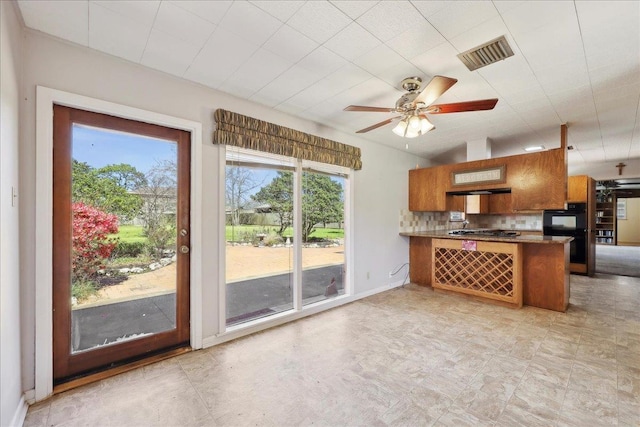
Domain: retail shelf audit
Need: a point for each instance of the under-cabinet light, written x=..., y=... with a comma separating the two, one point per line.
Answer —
x=534, y=148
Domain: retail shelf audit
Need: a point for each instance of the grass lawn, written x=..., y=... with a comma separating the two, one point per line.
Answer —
x=130, y=233
x=135, y=233
x=236, y=233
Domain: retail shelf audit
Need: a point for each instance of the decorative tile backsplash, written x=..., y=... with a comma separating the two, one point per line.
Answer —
x=411, y=222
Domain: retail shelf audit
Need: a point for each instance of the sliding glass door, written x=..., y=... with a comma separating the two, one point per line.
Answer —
x=323, y=260
x=258, y=233
x=284, y=234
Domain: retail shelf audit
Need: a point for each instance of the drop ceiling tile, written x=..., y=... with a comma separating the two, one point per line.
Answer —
x=250, y=23
x=608, y=74
x=247, y=80
x=314, y=94
x=322, y=62
x=352, y=42
x=615, y=152
x=353, y=9
x=441, y=60
x=620, y=18
x=429, y=7
x=585, y=144
x=329, y=87
x=345, y=78
x=575, y=161
x=379, y=59
x=530, y=16
x=289, y=83
x=290, y=44
x=212, y=11
x=480, y=34
x=552, y=45
x=169, y=54
x=615, y=117
x=563, y=77
x=65, y=19
x=593, y=155
x=394, y=75
x=331, y=113
x=471, y=86
x=416, y=40
x=387, y=19
x=319, y=20
x=279, y=9
x=373, y=92
x=142, y=12
x=291, y=109
x=182, y=24
x=222, y=55
x=460, y=16
x=115, y=34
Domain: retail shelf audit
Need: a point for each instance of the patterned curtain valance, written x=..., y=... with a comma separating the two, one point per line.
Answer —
x=247, y=132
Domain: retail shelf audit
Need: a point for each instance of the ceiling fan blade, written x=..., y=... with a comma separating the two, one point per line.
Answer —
x=458, y=107
x=434, y=89
x=369, y=109
x=377, y=125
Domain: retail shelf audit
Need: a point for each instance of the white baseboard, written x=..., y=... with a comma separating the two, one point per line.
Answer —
x=20, y=413
x=30, y=396
x=279, y=319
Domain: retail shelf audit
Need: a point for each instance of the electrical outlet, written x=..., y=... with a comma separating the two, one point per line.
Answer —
x=368, y=275
x=390, y=274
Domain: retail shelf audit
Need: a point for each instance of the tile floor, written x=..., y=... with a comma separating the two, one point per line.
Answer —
x=404, y=357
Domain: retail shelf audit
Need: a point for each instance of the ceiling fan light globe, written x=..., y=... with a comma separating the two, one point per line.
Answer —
x=412, y=133
x=414, y=123
x=425, y=125
x=400, y=128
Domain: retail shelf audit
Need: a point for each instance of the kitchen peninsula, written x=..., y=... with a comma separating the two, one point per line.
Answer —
x=516, y=270
x=502, y=265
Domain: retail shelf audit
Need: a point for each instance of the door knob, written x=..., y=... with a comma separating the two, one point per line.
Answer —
x=184, y=249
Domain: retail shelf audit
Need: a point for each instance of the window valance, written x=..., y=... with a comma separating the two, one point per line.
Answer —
x=246, y=132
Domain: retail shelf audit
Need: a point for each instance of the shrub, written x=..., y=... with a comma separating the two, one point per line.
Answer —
x=128, y=249
x=273, y=239
x=82, y=289
x=90, y=243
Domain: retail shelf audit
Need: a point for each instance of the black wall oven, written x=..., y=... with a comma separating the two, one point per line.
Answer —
x=570, y=222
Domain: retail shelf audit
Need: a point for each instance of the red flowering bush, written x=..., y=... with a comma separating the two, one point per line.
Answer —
x=91, y=246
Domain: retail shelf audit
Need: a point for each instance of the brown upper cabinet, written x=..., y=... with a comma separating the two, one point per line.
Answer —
x=537, y=181
x=579, y=188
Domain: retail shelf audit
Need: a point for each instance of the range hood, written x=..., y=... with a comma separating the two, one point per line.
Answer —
x=479, y=192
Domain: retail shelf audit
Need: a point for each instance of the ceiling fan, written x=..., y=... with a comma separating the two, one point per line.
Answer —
x=414, y=106
x=619, y=186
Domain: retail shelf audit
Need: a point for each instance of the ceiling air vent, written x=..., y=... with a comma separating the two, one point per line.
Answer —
x=486, y=54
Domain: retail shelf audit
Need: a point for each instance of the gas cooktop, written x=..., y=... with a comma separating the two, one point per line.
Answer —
x=492, y=233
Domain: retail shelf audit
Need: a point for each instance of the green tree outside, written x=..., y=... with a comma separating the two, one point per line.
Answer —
x=101, y=188
x=322, y=200
x=279, y=195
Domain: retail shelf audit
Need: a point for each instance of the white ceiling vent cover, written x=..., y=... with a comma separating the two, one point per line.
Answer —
x=486, y=54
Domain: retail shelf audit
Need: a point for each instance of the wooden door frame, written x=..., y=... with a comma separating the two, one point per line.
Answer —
x=66, y=363
x=45, y=99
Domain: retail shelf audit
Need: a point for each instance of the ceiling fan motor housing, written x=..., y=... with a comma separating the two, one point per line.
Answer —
x=405, y=103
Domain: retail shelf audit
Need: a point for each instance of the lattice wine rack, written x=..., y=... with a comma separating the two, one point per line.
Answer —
x=489, y=270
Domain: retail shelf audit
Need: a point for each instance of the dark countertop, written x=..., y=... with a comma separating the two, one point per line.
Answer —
x=444, y=234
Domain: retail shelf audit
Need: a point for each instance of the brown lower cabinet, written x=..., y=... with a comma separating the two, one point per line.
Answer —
x=545, y=269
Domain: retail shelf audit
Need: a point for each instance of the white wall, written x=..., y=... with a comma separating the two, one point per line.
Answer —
x=380, y=187
x=12, y=406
